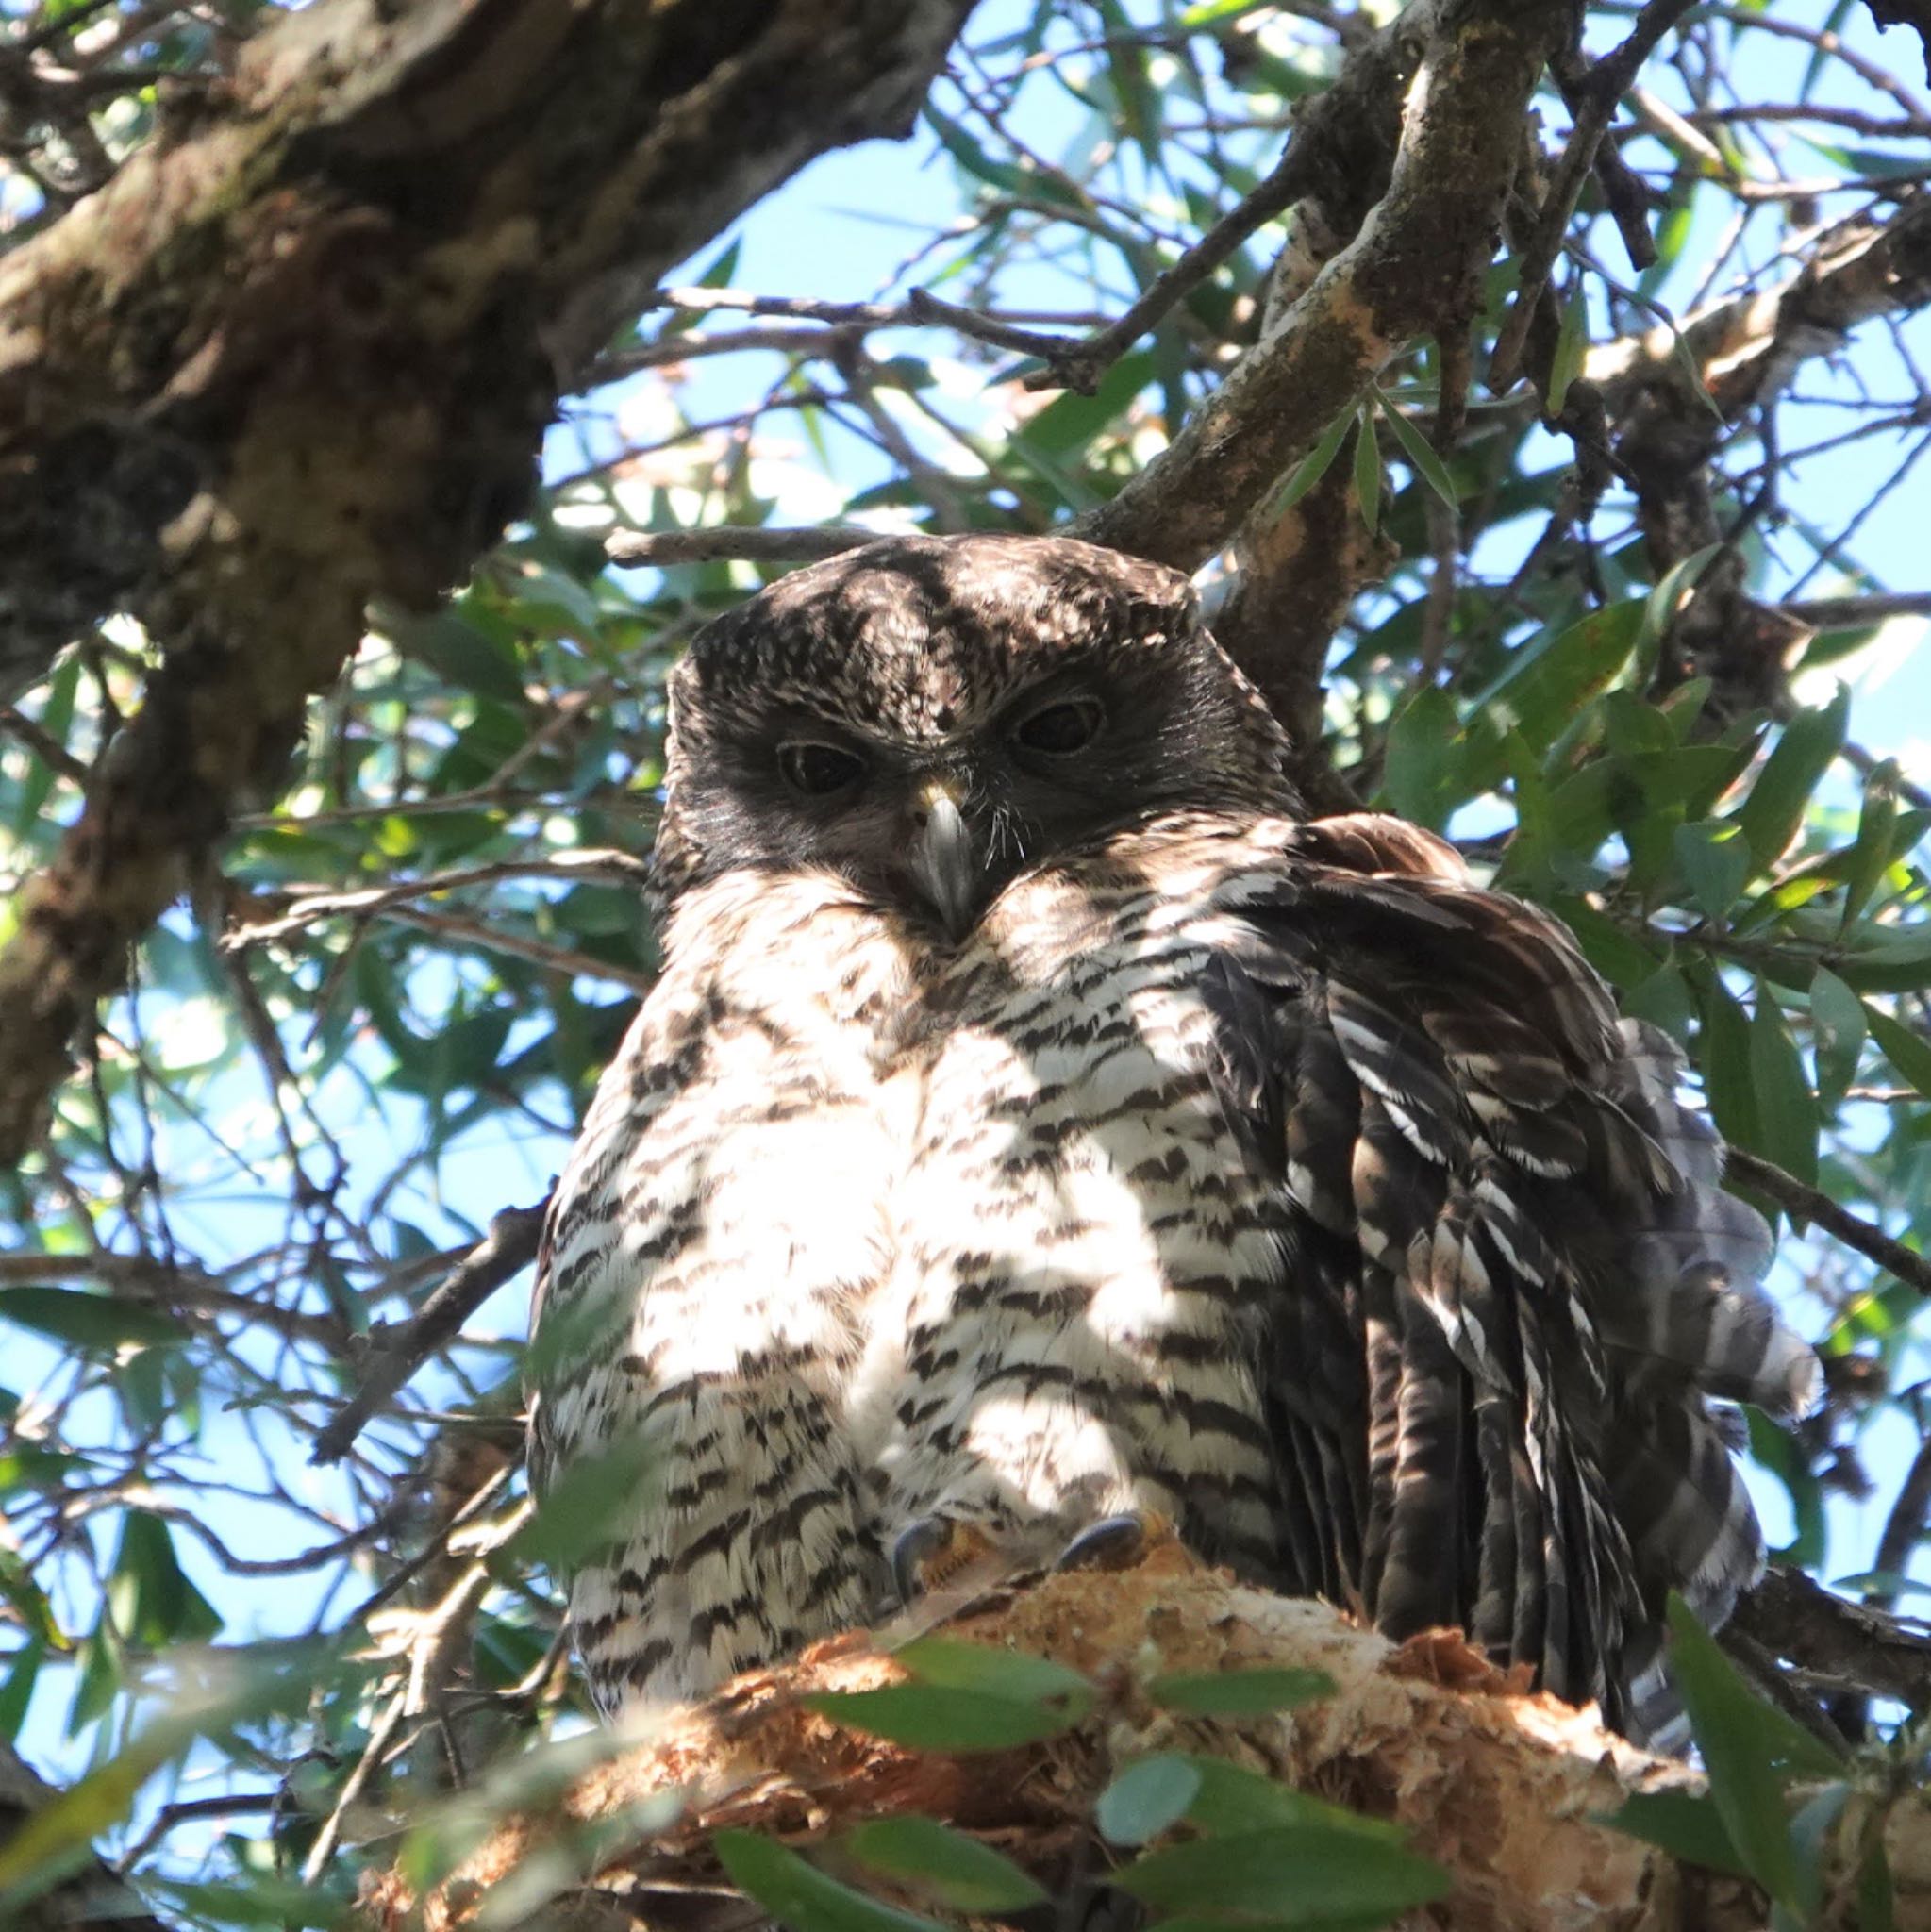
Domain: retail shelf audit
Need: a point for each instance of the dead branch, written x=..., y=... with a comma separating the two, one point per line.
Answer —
x=503, y=1254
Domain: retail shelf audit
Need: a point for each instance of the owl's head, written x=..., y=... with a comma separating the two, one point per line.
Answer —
x=929, y=716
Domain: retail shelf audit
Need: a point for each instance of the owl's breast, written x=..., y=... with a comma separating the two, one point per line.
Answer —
x=1082, y=1243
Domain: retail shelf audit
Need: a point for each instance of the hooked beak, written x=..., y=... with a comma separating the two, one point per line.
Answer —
x=942, y=861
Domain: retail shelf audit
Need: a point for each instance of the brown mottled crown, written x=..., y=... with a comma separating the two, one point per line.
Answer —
x=915, y=638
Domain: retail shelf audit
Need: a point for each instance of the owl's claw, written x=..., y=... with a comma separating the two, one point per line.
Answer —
x=1114, y=1543
x=931, y=1551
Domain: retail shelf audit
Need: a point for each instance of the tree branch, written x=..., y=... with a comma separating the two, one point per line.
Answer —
x=301, y=351
x=503, y=1254
x=754, y=544
x=1408, y=272
x=1811, y=1204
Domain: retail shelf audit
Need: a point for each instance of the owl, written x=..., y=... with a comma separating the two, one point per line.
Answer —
x=1041, y=1131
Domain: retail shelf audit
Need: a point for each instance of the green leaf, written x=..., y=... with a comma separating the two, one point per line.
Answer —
x=1660, y=606
x=934, y=1717
x=97, y=1323
x=1871, y=852
x=1146, y=1798
x=799, y=1895
x=1546, y=683
x=1751, y=1751
x=1775, y=809
x=153, y=1603
x=261, y=1899
x=1312, y=468
x=1571, y=346
x=460, y=652
x=1070, y=421
x=1687, y=1824
x=1293, y=1875
x=1714, y=859
x=1425, y=756
x=1779, y=1451
x=22, y=1593
x=1233, y=1799
x=965, y=1697
x=16, y=1694
x=1909, y=1052
x=1785, y=1107
x=955, y=1870
x=578, y=1510
x=1368, y=467
x=1426, y=464
x=1240, y=1693
x=1837, y=1031
x=1723, y=1055
x=1009, y=1675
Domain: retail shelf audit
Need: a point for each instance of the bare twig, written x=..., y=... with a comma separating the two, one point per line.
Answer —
x=753, y=544
x=44, y=745
x=1850, y=614
x=508, y=1248
x=1596, y=94
x=517, y=945
x=1080, y=365
x=918, y=310
x=622, y=868
x=1794, y=1617
x=1766, y=1178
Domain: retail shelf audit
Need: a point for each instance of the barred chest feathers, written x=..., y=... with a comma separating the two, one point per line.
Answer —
x=876, y=1230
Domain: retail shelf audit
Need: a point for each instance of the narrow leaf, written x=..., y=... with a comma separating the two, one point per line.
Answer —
x=1294, y=1875
x=1368, y=467
x=934, y=1717
x=1240, y=1693
x=1426, y=464
x=1312, y=468
x=955, y=1869
x=1785, y=1107
x=800, y=1896
x=1571, y=345
x=1772, y=813
x=1837, y=1031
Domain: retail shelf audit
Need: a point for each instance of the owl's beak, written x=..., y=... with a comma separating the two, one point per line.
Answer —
x=944, y=864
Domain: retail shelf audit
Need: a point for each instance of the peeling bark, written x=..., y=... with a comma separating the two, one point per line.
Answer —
x=300, y=353
x=1503, y=1787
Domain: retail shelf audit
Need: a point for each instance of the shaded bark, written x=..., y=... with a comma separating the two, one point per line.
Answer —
x=301, y=351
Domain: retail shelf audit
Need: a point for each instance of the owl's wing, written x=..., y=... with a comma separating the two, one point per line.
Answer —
x=1513, y=1269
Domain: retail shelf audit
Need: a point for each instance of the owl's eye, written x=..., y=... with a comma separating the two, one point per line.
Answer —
x=819, y=769
x=1068, y=726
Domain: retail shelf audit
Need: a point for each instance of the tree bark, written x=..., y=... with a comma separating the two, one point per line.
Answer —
x=300, y=353
x=1505, y=1788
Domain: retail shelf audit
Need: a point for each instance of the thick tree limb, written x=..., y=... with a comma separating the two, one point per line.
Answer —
x=300, y=351
x=1505, y=1788
x=1408, y=272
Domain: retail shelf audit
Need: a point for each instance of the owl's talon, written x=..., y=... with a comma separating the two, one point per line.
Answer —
x=1114, y=1543
x=931, y=1551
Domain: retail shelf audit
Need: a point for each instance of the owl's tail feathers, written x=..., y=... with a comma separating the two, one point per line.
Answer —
x=1691, y=1528
x=1698, y=1319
